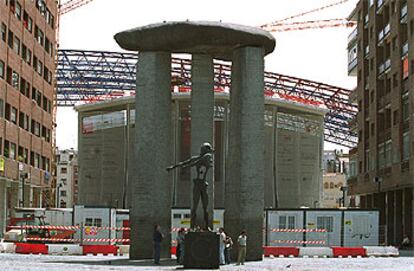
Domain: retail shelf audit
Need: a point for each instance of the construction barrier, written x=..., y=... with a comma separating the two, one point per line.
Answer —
x=123, y=250
x=281, y=251
x=382, y=251
x=100, y=249
x=65, y=249
x=7, y=247
x=25, y=248
x=315, y=252
x=349, y=251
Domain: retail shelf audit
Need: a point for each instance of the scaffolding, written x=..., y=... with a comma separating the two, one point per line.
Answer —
x=97, y=75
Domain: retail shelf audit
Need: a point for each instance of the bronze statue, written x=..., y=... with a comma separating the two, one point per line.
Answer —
x=203, y=163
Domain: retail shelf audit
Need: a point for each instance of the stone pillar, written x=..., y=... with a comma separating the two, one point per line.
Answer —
x=202, y=122
x=245, y=175
x=151, y=185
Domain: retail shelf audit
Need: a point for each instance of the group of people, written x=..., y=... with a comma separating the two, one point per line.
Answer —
x=225, y=246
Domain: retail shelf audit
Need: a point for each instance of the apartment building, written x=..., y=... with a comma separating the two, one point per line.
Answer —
x=66, y=178
x=381, y=55
x=27, y=65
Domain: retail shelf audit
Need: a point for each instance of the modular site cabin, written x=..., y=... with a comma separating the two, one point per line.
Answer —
x=282, y=227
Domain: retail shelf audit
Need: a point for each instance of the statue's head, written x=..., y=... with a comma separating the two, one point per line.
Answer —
x=206, y=148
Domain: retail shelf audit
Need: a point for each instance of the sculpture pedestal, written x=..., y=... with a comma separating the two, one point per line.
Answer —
x=201, y=250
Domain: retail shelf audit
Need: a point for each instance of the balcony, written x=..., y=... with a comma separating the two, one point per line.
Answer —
x=366, y=21
x=352, y=37
x=352, y=66
x=384, y=33
x=380, y=5
x=366, y=51
x=404, y=50
x=384, y=67
x=404, y=14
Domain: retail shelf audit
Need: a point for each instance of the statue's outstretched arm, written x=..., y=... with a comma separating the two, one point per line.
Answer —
x=186, y=163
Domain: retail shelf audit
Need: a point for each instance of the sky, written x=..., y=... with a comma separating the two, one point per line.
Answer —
x=317, y=54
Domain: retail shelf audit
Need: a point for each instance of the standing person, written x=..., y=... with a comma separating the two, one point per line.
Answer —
x=222, y=245
x=242, y=241
x=229, y=245
x=157, y=238
x=181, y=245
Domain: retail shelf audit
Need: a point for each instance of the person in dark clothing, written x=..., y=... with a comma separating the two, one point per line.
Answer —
x=157, y=239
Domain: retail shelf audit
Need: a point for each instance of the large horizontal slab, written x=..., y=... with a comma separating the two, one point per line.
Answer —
x=204, y=37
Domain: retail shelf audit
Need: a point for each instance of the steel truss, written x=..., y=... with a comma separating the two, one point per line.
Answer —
x=93, y=75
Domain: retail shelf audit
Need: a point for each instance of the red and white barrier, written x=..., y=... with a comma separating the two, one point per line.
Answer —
x=315, y=252
x=298, y=230
x=98, y=240
x=26, y=248
x=349, y=252
x=379, y=251
x=308, y=242
x=65, y=249
x=6, y=247
x=100, y=249
x=281, y=251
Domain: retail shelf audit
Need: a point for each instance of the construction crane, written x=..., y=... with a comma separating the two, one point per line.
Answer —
x=282, y=25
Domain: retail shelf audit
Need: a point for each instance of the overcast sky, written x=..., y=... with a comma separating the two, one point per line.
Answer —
x=318, y=55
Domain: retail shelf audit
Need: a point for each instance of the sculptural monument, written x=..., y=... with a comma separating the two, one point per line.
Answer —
x=202, y=162
x=244, y=185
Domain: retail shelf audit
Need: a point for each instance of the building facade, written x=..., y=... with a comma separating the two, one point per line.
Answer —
x=66, y=178
x=293, y=154
x=381, y=55
x=27, y=55
x=335, y=174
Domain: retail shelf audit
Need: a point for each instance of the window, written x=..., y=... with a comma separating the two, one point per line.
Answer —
x=63, y=193
x=3, y=32
x=12, y=151
x=6, y=148
x=18, y=11
x=98, y=222
x=1, y=109
x=63, y=170
x=26, y=54
x=39, y=35
x=27, y=22
x=35, y=128
x=47, y=45
x=388, y=154
x=405, y=109
x=88, y=222
x=16, y=45
x=326, y=185
x=177, y=216
x=13, y=115
x=325, y=222
x=15, y=80
x=10, y=39
x=406, y=146
x=291, y=222
x=282, y=222
x=36, y=160
x=395, y=117
x=2, y=69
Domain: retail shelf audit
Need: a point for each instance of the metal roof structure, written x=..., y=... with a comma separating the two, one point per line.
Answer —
x=84, y=76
